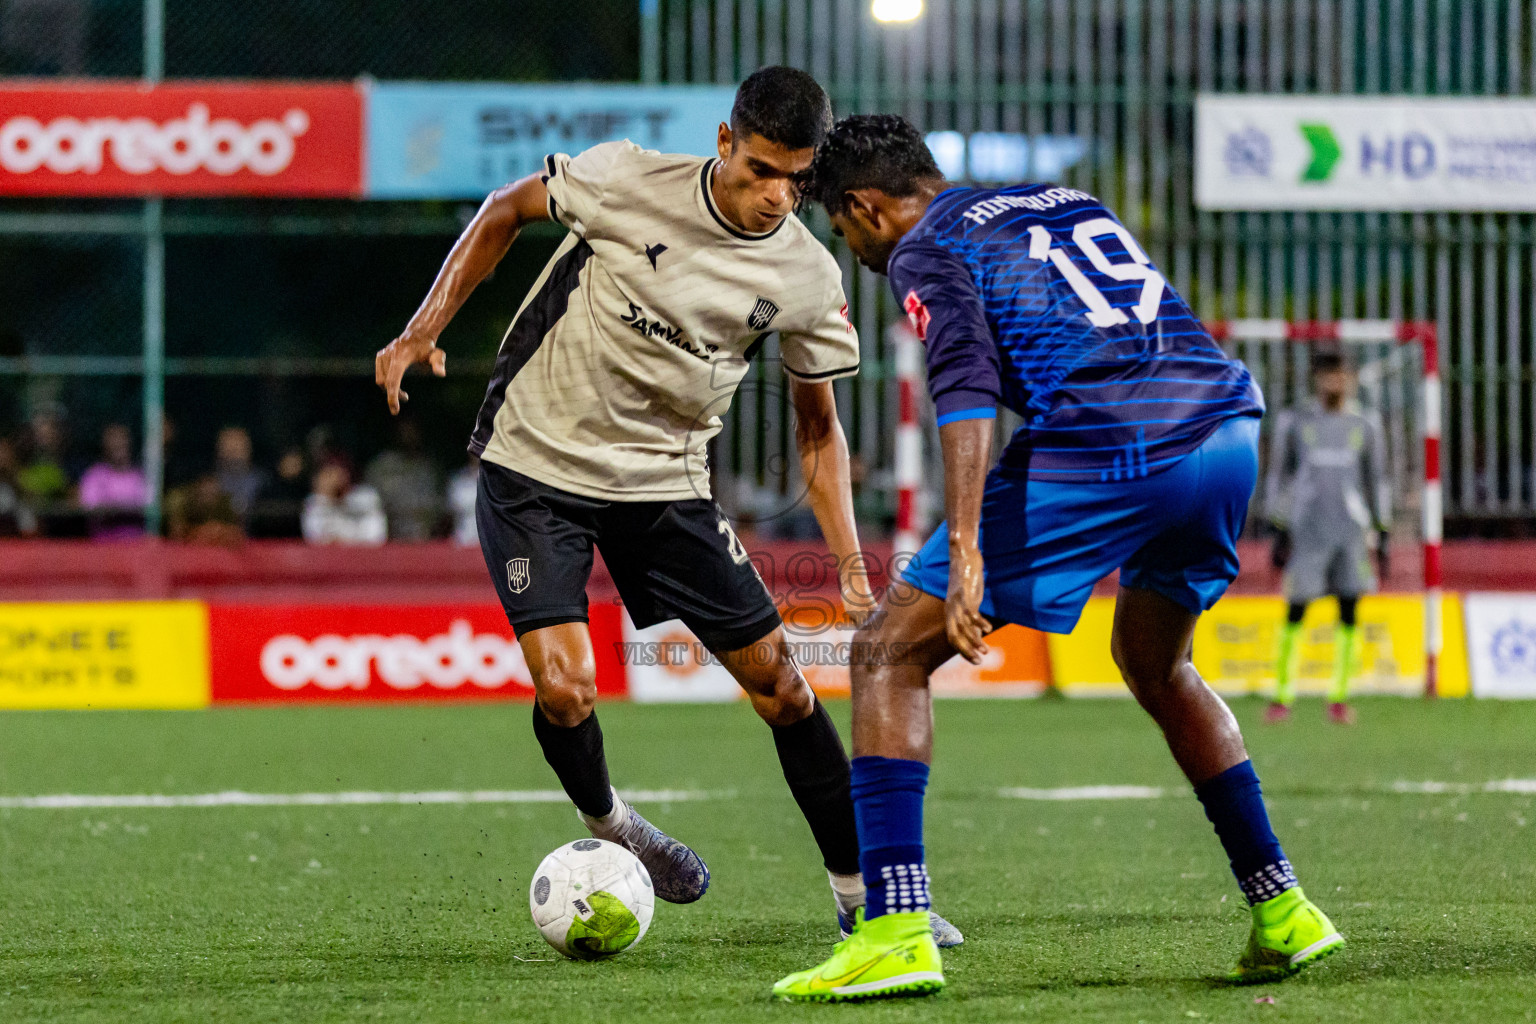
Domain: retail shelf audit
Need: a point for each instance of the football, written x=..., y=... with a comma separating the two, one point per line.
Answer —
x=591, y=899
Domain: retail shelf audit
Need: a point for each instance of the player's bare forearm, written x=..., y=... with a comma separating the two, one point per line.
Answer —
x=824, y=461
x=476, y=253
x=967, y=446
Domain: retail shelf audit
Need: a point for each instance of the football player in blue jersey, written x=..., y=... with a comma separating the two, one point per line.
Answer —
x=1138, y=452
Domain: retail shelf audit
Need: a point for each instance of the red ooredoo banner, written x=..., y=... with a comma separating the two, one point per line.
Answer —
x=182, y=139
x=383, y=653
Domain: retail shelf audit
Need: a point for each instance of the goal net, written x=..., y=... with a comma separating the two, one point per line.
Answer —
x=1399, y=385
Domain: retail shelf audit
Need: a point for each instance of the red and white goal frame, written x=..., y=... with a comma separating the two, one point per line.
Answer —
x=1414, y=405
x=1406, y=337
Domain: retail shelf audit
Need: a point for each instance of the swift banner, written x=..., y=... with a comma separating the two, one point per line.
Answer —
x=104, y=654
x=267, y=653
x=182, y=139
x=1364, y=153
x=455, y=140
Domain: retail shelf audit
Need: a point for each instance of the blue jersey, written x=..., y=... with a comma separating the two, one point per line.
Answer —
x=1037, y=298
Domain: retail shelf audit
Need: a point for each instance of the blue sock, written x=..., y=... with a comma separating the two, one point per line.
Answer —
x=1235, y=806
x=888, y=806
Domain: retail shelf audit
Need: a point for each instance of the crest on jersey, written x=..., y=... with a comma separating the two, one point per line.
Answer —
x=917, y=314
x=517, y=574
x=762, y=314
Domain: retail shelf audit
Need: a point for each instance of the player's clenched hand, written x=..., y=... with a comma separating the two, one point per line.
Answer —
x=963, y=622
x=394, y=359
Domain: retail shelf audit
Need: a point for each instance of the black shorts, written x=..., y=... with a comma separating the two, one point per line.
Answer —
x=669, y=559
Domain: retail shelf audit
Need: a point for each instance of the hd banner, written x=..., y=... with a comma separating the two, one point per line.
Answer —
x=453, y=140
x=1364, y=153
x=181, y=139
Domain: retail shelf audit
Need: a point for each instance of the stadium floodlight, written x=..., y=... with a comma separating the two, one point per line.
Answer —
x=893, y=11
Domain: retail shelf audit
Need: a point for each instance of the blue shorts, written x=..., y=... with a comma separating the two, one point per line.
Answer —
x=1046, y=544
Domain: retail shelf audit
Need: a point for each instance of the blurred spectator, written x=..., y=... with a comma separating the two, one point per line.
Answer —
x=462, y=487
x=337, y=512
x=200, y=513
x=114, y=489
x=282, y=500
x=42, y=477
x=238, y=478
x=16, y=518
x=407, y=483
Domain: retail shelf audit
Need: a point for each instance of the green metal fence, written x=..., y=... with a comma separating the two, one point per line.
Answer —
x=1123, y=75
x=258, y=312
x=82, y=279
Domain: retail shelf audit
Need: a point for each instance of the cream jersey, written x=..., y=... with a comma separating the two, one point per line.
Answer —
x=622, y=359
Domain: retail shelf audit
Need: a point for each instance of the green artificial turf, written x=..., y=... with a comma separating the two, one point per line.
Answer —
x=1074, y=911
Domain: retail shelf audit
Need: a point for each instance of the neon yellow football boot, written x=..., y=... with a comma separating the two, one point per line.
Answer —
x=893, y=955
x=1289, y=933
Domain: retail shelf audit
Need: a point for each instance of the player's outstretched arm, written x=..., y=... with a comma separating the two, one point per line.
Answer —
x=967, y=445
x=824, y=461
x=965, y=380
x=482, y=245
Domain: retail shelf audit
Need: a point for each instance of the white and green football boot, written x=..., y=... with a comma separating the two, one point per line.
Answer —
x=893, y=955
x=1289, y=933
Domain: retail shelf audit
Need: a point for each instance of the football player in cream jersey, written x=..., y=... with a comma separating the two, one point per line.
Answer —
x=607, y=388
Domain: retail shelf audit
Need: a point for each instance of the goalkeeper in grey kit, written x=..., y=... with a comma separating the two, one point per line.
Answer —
x=1328, y=494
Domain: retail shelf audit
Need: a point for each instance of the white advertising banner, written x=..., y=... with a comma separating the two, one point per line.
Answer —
x=1501, y=637
x=1271, y=152
x=666, y=663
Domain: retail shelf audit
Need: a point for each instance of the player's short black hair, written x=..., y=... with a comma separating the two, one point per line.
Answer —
x=880, y=151
x=786, y=106
x=1327, y=360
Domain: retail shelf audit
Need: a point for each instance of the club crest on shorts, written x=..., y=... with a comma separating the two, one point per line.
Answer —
x=762, y=314
x=517, y=574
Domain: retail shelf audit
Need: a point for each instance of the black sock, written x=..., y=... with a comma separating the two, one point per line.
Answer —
x=1347, y=607
x=576, y=755
x=816, y=768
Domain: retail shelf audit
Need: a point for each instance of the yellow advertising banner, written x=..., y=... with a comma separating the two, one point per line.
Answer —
x=140, y=654
x=1236, y=644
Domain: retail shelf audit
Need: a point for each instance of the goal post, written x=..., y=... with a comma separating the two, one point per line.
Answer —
x=1398, y=362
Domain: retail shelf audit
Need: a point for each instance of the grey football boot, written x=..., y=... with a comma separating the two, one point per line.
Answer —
x=677, y=873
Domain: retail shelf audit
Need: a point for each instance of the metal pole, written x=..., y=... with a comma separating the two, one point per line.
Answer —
x=154, y=296
x=1434, y=512
x=650, y=41
x=154, y=363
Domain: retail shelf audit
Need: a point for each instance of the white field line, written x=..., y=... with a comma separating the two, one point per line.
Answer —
x=238, y=798
x=1085, y=793
x=357, y=798
x=1521, y=786
x=1459, y=788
